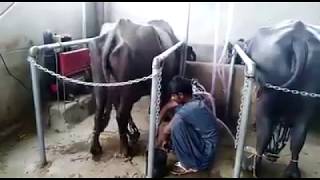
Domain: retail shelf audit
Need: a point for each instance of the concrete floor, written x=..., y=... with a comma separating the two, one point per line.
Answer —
x=68, y=153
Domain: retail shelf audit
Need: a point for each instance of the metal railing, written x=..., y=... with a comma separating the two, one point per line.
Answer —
x=33, y=54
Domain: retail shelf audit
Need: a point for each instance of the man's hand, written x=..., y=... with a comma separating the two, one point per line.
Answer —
x=165, y=145
x=171, y=104
x=165, y=137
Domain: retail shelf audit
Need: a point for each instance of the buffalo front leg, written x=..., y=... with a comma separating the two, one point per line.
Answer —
x=99, y=121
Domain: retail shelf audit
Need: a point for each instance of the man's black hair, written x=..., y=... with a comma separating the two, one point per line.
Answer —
x=180, y=85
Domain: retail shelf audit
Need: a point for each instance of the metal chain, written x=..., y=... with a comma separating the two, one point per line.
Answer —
x=296, y=92
x=243, y=92
x=158, y=99
x=268, y=85
x=130, y=82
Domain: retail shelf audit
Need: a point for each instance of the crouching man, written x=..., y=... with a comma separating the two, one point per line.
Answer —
x=192, y=132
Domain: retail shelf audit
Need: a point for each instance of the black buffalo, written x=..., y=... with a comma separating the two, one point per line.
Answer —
x=287, y=55
x=124, y=51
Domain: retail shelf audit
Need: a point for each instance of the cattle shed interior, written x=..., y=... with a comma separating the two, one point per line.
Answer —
x=68, y=110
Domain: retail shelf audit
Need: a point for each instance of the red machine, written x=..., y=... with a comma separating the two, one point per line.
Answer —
x=73, y=64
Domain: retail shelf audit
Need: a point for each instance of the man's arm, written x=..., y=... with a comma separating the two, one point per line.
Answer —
x=162, y=136
x=168, y=127
x=166, y=108
x=167, y=131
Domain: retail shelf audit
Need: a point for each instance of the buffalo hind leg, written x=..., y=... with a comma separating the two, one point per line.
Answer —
x=133, y=131
x=264, y=132
x=102, y=116
x=298, y=136
x=265, y=117
x=123, y=116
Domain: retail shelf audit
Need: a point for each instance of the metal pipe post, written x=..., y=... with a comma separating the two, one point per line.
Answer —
x=243, y=128
x=249, y=76
x=84, y=20
x=152, y=123
x=184, y=55
x=156, y=69
x=37, y=106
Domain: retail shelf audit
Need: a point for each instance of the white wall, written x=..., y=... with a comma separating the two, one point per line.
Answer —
x=251, y=16
x=19, y=28
x=27, y=21
x=247, y=18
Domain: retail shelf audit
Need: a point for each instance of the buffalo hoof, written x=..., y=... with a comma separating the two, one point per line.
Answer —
x=292, y=171
x=96, y=150
x=257, y=172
